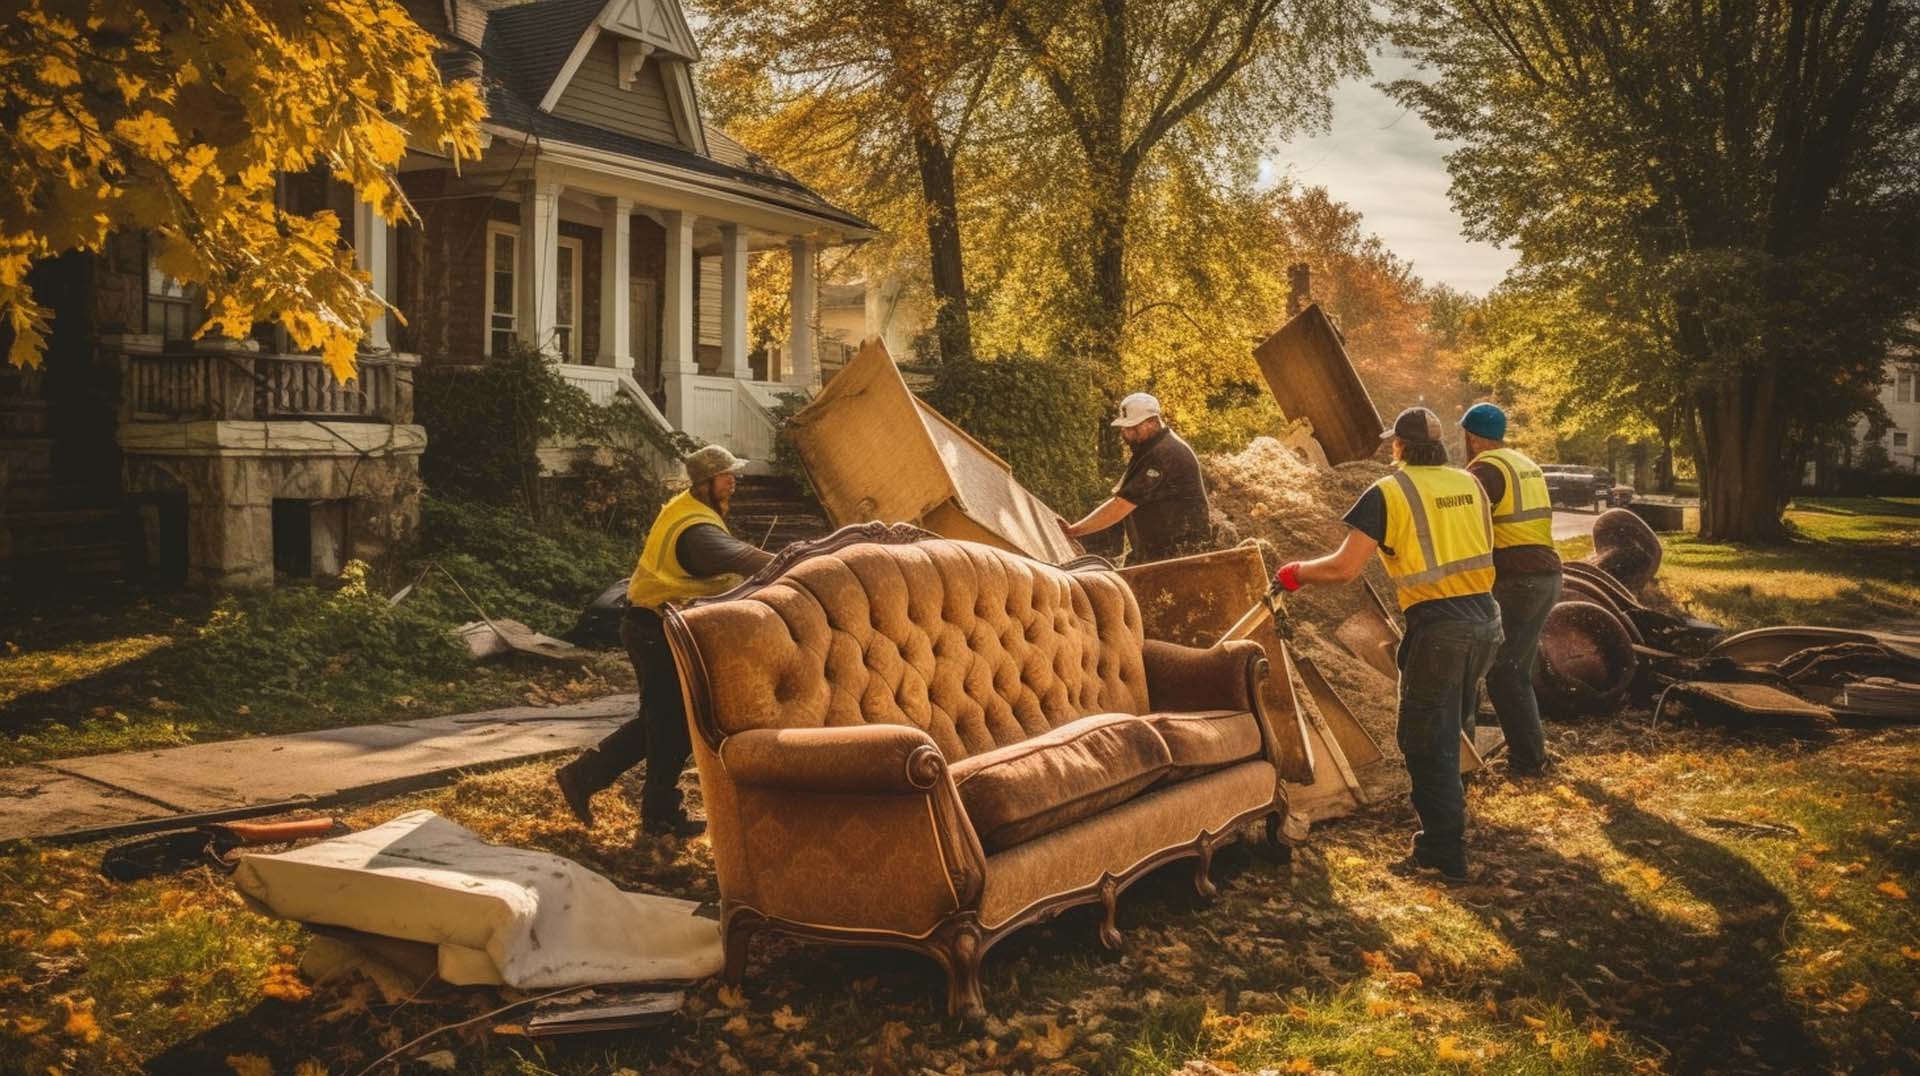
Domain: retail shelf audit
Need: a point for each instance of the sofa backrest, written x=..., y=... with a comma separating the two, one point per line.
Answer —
x=978, y=647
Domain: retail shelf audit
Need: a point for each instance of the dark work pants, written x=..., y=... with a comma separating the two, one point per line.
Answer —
x=1441, y=665
x=658, y=733
x=1524, y=602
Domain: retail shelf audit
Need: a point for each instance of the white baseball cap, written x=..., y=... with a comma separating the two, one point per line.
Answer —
x=1136, y=409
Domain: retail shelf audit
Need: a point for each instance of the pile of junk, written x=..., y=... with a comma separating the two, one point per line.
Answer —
x=1603, y=648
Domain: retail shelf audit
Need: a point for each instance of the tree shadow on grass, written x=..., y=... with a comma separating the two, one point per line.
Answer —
x=1709, y=997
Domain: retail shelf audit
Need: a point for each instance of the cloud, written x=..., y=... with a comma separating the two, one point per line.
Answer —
x=1383, y=160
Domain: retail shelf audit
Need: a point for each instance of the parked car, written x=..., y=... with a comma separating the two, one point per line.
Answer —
x=1573, y=486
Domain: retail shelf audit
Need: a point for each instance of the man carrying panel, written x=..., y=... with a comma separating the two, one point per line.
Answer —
x=1526, y=579
x=689, y=553
x=1162, y=497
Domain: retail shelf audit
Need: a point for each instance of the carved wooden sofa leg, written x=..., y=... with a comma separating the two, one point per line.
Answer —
x=959, y=946
x=1202, y=870
x=737, y=934
x=1110, y=902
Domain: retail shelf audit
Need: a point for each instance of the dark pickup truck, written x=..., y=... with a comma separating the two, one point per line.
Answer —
x=1572, y=486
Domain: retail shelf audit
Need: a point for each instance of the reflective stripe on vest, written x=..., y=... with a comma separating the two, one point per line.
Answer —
x=658, y=578
x=1440, y=528
x=1524, y=514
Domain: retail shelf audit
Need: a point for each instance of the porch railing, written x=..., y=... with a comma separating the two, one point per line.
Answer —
x=234, y=385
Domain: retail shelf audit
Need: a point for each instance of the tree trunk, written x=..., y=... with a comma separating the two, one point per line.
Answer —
x=1107, y=299
x=1741, y=443
x=952, y=326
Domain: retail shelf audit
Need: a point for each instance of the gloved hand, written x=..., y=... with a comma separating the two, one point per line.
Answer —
x=1288, y=577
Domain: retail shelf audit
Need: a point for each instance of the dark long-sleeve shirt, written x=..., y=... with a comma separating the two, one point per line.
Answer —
x=704, y=549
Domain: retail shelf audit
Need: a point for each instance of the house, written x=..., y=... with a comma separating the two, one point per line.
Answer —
x=606, y=223
x=1900, y=395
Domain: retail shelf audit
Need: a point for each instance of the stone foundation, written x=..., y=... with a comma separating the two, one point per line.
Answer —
x=232, y=472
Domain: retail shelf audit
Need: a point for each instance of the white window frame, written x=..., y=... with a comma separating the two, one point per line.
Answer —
x=1903, y=385
x=497, y=228
x=568, y=244
x=1900, y=440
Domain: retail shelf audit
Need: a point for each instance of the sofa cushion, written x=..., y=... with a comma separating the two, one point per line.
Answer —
x=1204, y=740
x=1016, y=793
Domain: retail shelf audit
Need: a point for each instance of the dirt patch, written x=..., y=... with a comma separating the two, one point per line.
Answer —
x=1266, y=493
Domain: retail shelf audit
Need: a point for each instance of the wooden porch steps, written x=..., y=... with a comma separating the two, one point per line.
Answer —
x=772, y=511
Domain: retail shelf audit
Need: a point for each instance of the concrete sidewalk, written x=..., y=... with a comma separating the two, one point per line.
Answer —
x=135, y=791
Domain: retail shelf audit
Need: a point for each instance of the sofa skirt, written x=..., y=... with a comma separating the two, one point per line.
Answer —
x=1118, y=840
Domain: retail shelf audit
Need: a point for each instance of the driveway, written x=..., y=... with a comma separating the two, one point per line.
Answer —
x=1572, y=524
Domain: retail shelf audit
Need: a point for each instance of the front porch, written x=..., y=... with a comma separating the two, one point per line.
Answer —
x=636, y=286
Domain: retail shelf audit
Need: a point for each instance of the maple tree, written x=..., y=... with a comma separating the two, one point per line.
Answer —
x=888, y=94
x=177, y=116
x=1128, y=81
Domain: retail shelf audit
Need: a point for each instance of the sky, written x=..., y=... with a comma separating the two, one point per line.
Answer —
x=1384, y=161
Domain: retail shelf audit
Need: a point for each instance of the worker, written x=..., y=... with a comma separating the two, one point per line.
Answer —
x=688, y=554
x=1430, y=524
x=1161, y=496
x=1526, y=579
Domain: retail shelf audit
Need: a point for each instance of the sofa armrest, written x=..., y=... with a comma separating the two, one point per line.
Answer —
x=868, y=759
x=913, y=856
x=1220, y=677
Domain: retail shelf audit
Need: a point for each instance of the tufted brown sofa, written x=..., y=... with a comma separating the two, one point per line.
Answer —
x=921, y=743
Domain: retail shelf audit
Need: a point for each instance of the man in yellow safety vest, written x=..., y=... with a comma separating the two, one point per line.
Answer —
x=688, y=554
x=1430, y=524
x=1526, y=581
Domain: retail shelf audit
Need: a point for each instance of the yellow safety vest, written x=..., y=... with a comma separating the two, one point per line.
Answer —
x=1439, y=529
x=1524, y=514
x=659, y=578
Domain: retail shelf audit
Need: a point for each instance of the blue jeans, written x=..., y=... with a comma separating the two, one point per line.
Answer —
x=1524, y=601
x=1441, y=664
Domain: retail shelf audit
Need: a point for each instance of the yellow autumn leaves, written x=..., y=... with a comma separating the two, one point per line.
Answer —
x=178, y=123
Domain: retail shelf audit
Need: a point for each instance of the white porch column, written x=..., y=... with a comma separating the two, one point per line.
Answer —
x=539, y=264
x=733, y=303
x=801, y=294
x=616, y=288
x=677, y=362
x=370, y=251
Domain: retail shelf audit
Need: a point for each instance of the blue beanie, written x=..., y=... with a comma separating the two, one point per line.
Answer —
x=1485, y=420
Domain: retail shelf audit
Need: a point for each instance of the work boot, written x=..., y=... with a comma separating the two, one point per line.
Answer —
x=674, y=824
x=578, y=781
x=1415, y=866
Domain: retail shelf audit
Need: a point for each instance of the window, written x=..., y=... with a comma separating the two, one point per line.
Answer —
x=567, y=308
x=1903, y=386
x=503, y=293
x=1899, y=438
x=170, y=305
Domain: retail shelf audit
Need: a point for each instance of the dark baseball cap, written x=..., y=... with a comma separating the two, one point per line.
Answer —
x=1415, y=425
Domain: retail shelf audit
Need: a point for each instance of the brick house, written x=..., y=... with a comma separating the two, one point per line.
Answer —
x=606, y=223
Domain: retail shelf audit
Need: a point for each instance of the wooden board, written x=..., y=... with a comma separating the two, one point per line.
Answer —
x=1308, y=372
x=865, y=448
x=875, y=452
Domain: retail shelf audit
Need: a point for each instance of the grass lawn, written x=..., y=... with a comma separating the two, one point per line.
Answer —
x=110, y=671
x=1630, y=917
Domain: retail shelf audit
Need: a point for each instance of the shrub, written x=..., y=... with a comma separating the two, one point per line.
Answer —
x=1042, y=416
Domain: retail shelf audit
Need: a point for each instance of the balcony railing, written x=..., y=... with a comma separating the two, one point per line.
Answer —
x=229, y=384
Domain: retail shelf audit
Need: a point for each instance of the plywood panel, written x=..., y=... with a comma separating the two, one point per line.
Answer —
x=1309, y=373
x=985, y=489
x=864, y=447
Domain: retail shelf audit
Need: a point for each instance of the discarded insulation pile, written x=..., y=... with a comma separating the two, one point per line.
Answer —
x=1268, y=493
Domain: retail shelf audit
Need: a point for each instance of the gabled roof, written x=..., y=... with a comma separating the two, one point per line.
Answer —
x=520, y=49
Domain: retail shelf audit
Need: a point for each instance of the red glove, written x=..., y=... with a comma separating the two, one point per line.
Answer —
x=1288, y=577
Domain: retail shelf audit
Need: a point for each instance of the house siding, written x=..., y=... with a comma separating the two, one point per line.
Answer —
x=594, y=96
x=441, y=275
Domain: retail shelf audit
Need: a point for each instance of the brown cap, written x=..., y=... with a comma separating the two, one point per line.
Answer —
x=1415, y=425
